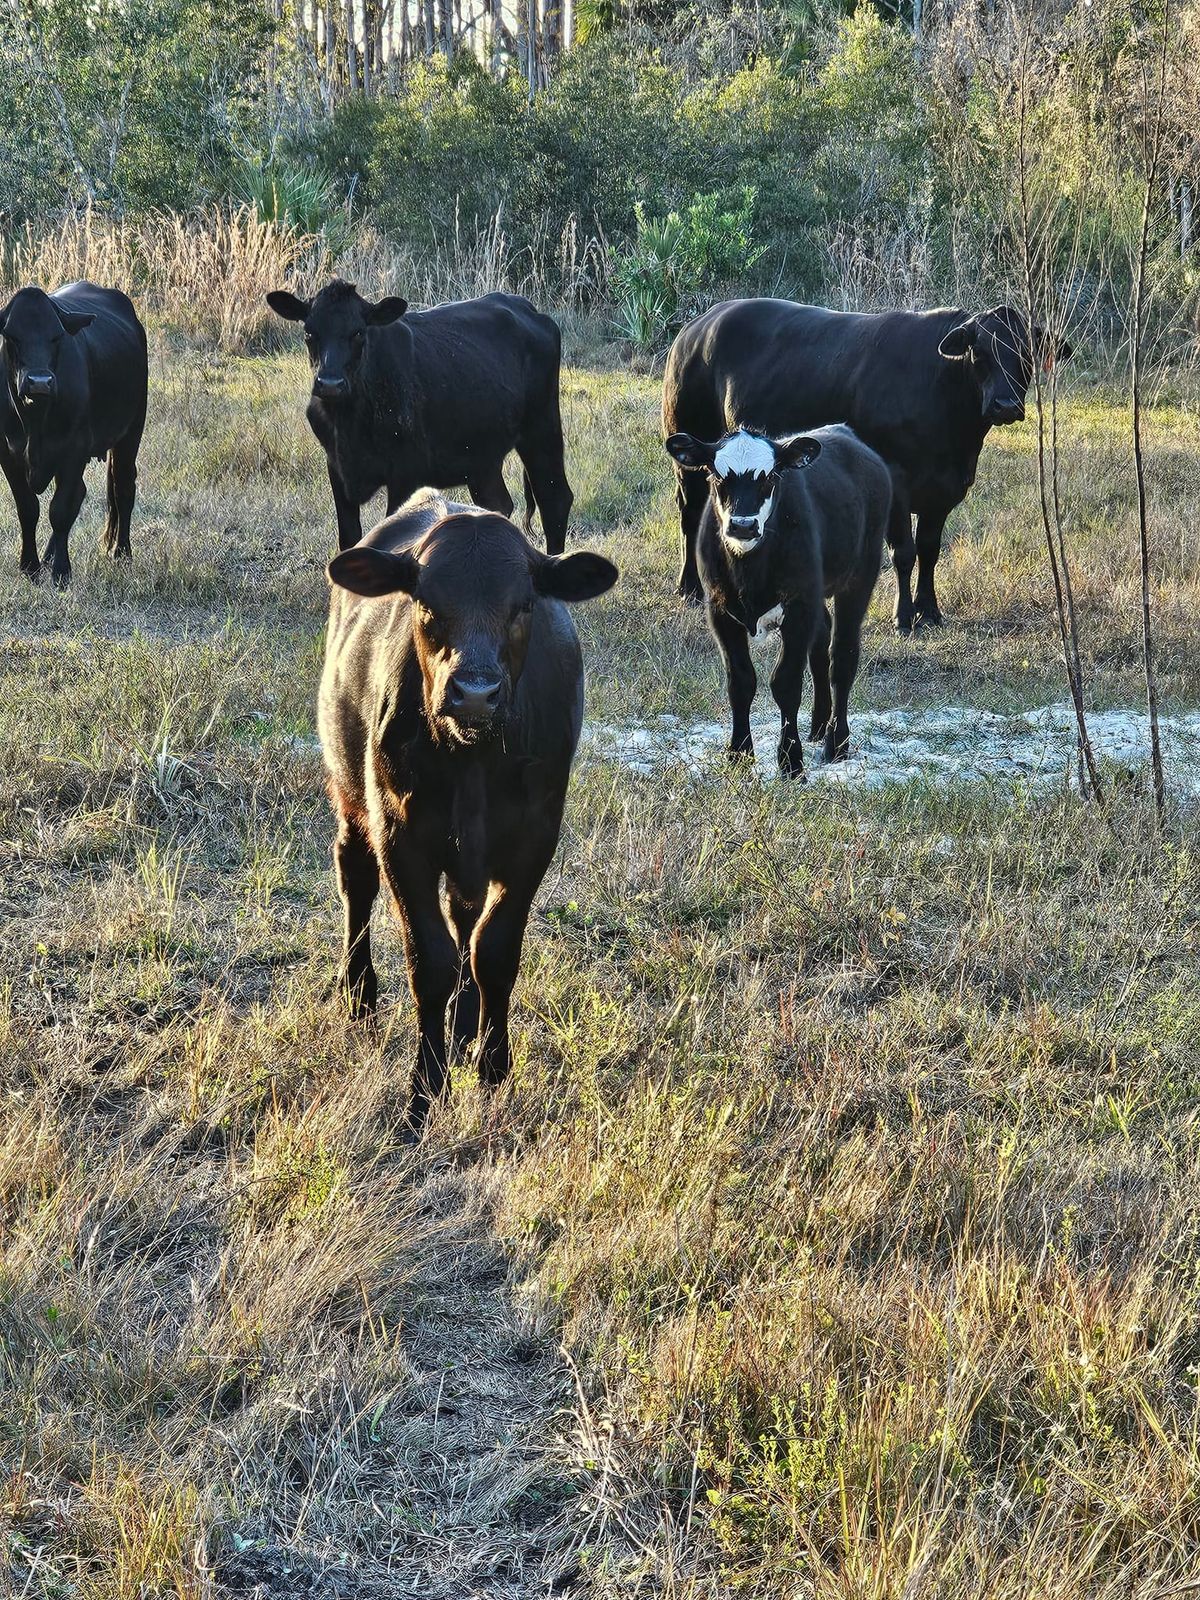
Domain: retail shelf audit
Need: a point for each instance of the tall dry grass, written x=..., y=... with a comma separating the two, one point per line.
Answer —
x=206, y=275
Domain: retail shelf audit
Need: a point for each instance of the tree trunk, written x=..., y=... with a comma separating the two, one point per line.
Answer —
x=351, y=64
x=497, y=27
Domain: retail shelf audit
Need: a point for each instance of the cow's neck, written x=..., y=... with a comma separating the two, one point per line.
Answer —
x=381, y=403
x=969, y=427
x=749, y=574
x=469, y=822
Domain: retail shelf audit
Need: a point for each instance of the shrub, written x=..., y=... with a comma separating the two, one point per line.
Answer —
x=677, y=261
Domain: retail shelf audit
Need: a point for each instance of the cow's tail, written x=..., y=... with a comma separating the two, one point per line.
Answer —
x=530, y=503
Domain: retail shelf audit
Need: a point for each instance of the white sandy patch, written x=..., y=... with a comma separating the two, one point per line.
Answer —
x=955, y=744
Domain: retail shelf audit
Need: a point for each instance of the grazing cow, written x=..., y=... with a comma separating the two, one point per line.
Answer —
x=401, y=399
x=450, y=707
x=75, y=375
x=921, y=388
x=774, y=544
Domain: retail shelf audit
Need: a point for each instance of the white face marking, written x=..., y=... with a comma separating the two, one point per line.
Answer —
x=738, y=541
x=744, y=453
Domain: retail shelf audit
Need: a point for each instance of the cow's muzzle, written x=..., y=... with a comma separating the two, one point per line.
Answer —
x=472, y=701
x=1010, y=411
x=330, y=388
x=37, y=386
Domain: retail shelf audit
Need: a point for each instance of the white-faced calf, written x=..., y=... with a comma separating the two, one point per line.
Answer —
x=774, y=537
x=450, y=707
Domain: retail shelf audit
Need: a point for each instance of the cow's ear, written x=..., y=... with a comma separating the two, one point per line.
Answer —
x=798, y=451
x=690, y=453
x=959, y=340
x=390, y=309
x=74, y=321
x=370, y=572
x=580, y=576
x=1049, y=349
x=288, y=306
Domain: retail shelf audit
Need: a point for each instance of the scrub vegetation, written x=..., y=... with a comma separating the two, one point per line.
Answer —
x=838, y=1233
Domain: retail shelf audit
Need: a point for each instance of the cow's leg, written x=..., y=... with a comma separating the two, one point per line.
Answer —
x=787, y=684
x=740, y=677
x=849, y=609
x=546, y=475
x=409, y=866
x=691, y=496
x=122, y=491
x=68, y=496
x=496, y=944
x=464, y=1016
x=818, y=665
x=358, y=884
x=904, y=557
x=28, y=510
x=929, y=548
x=488, y=489
x=349, y=522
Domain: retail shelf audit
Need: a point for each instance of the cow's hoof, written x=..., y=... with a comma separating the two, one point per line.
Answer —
x=690, y=591
x=927, y=619
x=62, y=580
x=359, y=998
x=791, y=760
x=835, y=751
x=34, y=574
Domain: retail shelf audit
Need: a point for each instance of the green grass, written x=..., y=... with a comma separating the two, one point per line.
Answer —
x=851, y=1147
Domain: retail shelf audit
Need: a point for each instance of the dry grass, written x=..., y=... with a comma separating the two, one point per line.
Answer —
x=851, y=1146
x=205, y=276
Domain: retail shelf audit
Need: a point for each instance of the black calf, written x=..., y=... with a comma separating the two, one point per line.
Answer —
x=777, y=542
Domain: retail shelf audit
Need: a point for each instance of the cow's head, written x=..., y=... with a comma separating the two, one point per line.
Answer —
x=335, y=331
x=743, y=475
x=33, y=327
x=996, y=350
x=473, y=580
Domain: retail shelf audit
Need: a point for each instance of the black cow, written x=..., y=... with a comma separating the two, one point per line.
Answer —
x=402, y=399
x=774, y=544
x=922, y=388
x=451, y=704
x=75, y=375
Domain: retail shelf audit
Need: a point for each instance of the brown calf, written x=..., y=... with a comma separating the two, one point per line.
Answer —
x=450, y=707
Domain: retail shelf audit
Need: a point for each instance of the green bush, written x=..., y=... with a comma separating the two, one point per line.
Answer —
x=447, y=153
x=676, y=262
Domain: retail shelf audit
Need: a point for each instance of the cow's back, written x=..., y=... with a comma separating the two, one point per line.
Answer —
x=479, y=364
x=844, y=497
x=779, y=367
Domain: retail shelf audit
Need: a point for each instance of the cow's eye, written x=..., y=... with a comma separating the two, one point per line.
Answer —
x=431, y=626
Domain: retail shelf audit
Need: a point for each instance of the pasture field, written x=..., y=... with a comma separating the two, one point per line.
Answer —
x=839, y=1235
